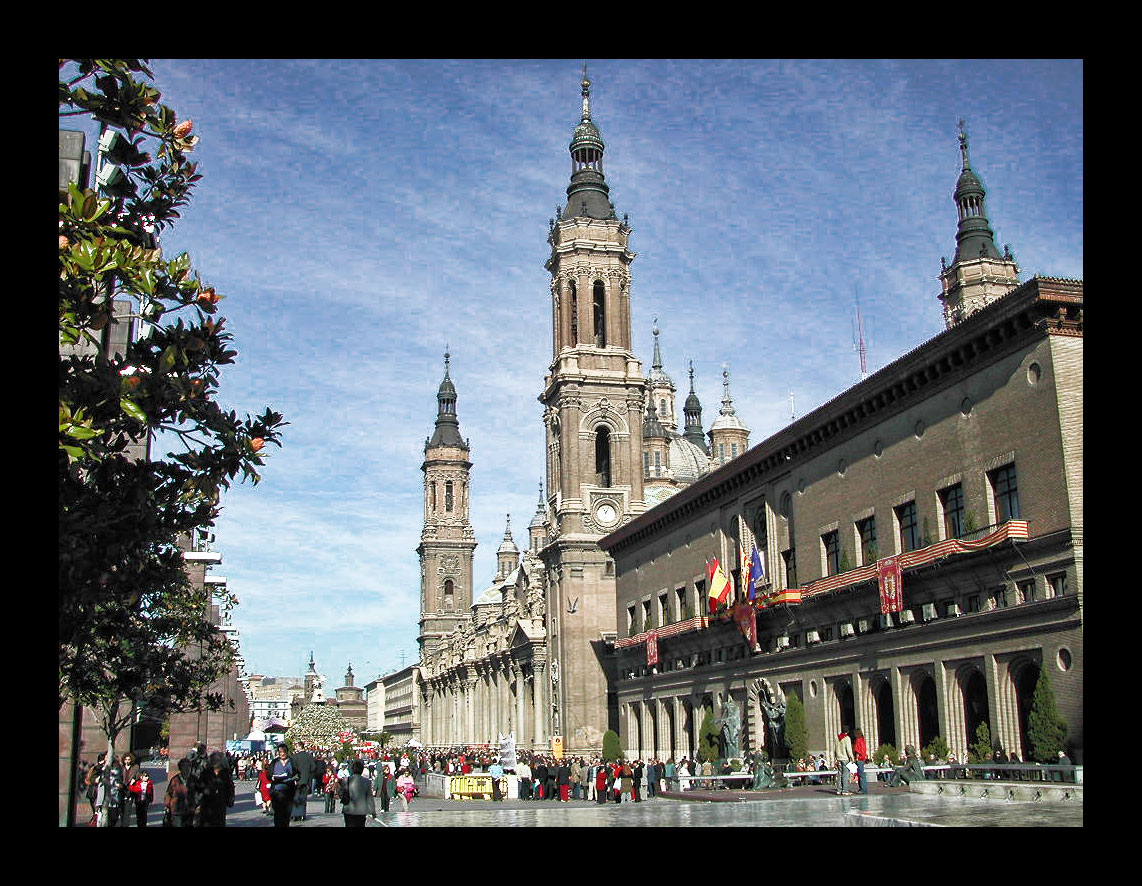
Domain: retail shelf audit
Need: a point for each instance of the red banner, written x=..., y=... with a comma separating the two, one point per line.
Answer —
x=746, y=619
x=890, y=580
x=652, y=648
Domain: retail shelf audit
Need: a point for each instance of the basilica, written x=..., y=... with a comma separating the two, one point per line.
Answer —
x=959, y=467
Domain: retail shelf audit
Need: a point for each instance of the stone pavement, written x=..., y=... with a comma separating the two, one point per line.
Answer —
x=803, y=806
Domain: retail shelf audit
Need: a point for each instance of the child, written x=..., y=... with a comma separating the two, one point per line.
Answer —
x=142, y=791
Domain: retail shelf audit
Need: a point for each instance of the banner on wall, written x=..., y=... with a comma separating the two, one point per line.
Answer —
x=890, y=579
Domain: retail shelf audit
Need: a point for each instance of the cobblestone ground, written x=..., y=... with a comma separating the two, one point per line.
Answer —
x=809, y=806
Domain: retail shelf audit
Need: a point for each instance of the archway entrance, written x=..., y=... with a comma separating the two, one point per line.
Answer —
x=885, y=714
x=975, y=705
x=927, y=710
x=1025, y=682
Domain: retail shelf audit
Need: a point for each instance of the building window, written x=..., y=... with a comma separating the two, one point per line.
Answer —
x=790, y=558
x=700, y=603
x=449, y=595
x=631, y=630
x=432, y=497
x=663, y=609
x=999, y=598
x=603, y=456
x=866, y=532
x=952, y=503
x=647, y=620
x=599, y=308
x=448, y=496
x=1025, y=591
x=909, y=529
x=972, y=603
x=826, y=634
x=1005, y=493
x=1057, y=584
x=657, y=463
x=733, y=450
x=646, y=464
x=831, y=544
x=683, y=606
x=573, y=291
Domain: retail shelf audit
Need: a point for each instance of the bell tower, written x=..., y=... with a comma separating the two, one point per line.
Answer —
x=447, y=541
x=593, y=399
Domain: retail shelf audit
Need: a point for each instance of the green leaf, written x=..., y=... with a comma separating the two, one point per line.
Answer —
x=132, y=409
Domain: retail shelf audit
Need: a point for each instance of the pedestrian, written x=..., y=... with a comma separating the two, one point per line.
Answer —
x=283, y=785
x=92, y=781
x=406, y=789
x=844, y=757
x=114, y=793
x=142, y=792
x=384, y=787
x=217, y=792
x=303, y=764
x=262, y=786
x=497, y=773
x=860, y=751
x=601, y=783
x=175, y=806
x=330, y=788
x=358, y=794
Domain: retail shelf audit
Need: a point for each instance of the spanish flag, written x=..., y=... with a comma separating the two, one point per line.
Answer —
x=719, y=585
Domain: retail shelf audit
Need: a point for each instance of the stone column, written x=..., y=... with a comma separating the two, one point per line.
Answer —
x=539, y=683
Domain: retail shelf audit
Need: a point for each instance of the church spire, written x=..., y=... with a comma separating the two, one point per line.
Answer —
x=974, y=237
x=588, y=194
x=978, y=274
x=693, y=412
x=447, y=431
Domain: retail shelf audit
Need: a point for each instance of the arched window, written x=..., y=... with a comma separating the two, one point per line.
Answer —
x=449, y=595
x=599, y=307
x=603, y=456
x=432, y=497
x=448, y=496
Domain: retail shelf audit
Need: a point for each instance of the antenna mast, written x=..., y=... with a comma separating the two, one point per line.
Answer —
x=859, y=345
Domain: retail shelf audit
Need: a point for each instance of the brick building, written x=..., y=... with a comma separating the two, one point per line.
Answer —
x=961, y=463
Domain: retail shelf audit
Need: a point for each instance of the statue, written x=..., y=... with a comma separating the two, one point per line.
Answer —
x=775, y=723
x=731, y=723
x=762, y=773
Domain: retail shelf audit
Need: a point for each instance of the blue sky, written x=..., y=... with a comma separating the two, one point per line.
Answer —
x=360, y=215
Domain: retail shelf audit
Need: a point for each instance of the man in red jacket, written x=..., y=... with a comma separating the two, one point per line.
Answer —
x=860, y=751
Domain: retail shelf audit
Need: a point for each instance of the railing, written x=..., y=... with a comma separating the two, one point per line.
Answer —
x=1033, y=772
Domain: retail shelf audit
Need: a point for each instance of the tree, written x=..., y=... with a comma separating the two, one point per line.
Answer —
x=1046, y=730
x=796, y=730
x=319, y=724
x=612, y=747
x=132, y=631
x=709, y=736
x=937, y=748
x=981, y=750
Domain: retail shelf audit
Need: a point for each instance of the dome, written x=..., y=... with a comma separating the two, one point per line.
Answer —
x=687, y=461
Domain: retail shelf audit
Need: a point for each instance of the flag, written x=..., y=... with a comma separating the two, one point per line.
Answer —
x=746, y=571
x=652, y=648
x=756, y=573
x=719, y=584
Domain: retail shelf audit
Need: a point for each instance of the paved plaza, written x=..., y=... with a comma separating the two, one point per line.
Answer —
x=806, y=806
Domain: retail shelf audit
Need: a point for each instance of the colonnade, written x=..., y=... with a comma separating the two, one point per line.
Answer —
x=901, y=705
x=472, y=703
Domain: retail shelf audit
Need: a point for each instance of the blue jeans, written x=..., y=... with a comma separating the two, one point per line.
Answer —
x=861, y=780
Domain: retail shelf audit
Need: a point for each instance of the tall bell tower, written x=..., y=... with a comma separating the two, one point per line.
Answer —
x=593, y=398
x=447, y=541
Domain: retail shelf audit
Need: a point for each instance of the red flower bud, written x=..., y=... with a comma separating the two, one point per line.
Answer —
x=184, y=129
